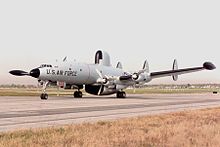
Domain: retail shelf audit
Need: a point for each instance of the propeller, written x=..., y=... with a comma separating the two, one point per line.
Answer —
x=101, y=78
x=33, y=73
x=104, y=80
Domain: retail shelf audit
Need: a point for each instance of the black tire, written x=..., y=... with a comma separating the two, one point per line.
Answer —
x=44, y=96
x=215, y=92
x=121, y=94
x=80, y=94
x=118, y=94
x=77, y=94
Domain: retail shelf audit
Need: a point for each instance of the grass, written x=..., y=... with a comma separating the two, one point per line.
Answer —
x=189, y=128
x=53, y=91
x=32, y=91
x=170, y=91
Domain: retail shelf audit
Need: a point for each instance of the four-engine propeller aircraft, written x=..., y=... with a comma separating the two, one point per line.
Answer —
x=100, y=78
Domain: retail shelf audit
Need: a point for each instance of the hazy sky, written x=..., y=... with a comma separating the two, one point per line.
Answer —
x=35, y=32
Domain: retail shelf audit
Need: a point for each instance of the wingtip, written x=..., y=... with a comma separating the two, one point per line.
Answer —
x=209, y=66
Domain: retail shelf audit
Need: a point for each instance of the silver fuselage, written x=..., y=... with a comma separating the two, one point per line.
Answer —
x=77, y=73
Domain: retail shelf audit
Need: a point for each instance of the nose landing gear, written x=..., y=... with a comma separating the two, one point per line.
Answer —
x=44, y=95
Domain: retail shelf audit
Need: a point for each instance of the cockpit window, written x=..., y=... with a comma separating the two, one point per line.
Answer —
x=45, y=65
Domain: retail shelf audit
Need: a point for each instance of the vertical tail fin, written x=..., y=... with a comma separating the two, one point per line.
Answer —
x=146, y=66
x=175, y=67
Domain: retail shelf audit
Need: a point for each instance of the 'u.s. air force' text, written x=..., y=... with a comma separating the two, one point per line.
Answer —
x=61, y=72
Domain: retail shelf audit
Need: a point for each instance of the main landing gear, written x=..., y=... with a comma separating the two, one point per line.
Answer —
x=44, y=95
x=77, y=94
x=121, y=94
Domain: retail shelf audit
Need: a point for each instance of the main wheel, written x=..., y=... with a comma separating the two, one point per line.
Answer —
x=121, y=94
x=77, y=94
x=44, y=96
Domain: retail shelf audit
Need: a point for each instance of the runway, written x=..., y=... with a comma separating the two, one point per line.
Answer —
x=30, y=112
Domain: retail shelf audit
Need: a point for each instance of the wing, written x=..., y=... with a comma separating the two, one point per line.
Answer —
x=206, y=66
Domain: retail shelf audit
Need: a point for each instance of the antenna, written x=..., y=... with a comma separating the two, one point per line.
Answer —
x=64, y=59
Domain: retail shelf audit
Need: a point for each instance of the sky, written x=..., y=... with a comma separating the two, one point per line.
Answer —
x=43, y=31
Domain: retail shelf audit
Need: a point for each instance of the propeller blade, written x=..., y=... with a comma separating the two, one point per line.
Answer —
x=102, y=79
x=101, y=89
x=19, y=73
x=99, y=73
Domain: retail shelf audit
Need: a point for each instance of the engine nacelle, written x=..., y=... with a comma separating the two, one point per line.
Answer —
x=144, y=77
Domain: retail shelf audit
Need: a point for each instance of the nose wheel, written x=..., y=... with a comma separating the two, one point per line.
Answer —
x=121, y=94
x=44, y=95
x=77, y=94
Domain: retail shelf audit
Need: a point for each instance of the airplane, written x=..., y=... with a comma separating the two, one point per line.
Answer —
x=99, y=78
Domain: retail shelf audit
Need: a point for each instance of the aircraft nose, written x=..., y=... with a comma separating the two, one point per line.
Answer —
x=35, y=73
